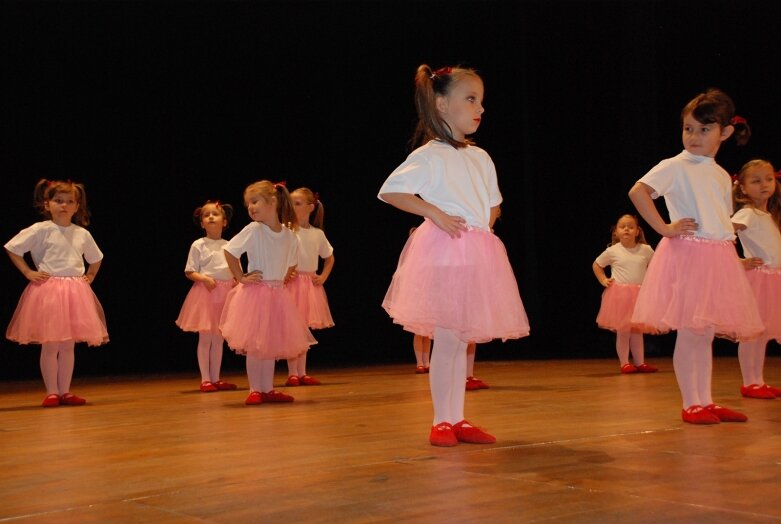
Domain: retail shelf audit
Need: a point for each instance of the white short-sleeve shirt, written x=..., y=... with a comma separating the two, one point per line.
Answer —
x=761, y=238
x=268, y=251
x=207, y=257
x=312, y=245
x=627, y=265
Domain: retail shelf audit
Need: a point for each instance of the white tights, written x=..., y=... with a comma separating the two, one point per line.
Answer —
x=447, y=376
x=57, y=362
x=209, y=355
x=751, y=355
x=260, y=373
x=626, y=340
x=296, y=367
x=693, y=364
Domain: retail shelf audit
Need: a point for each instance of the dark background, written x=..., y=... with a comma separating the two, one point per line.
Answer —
x=157, y=106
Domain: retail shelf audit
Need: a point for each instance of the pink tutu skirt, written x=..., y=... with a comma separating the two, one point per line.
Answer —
x=462, y=284
x=311, y=301
x=202, y=308
x=57, y=310
x=261, y=320
x=694, y=283
x=766, y=284
x=618, y=303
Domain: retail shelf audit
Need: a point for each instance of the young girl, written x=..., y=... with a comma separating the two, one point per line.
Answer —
x=259, y=319
x=695, y=283
x=757, y=197
x=58, y=308
x=306, y=286
x=212, y=280
x=628, y=257
x=453, y=282
x=422, y=347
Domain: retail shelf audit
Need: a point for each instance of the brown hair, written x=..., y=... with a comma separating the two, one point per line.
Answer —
x=45, y=190
x=640, y=235
x=428, y=86
x=225, y=209
x=715, y=106
x=741, y=199
x=269, y=190
x=316, y=216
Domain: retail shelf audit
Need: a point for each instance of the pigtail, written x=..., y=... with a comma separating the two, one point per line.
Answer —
x=317, y=215
x=285, y=210
x=428, y=85
x=742, y=130
x=81, y=217
x=39, y=196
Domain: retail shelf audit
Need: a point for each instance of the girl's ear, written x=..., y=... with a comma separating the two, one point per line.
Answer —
x=726, y=132
x=441, y=103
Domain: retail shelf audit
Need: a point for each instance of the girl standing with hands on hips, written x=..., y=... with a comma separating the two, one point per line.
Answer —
x=212, y=280
x=453, y=282
x=259, y=319
x=58, y=308
x=306, y=285
x=757, y=196
x=628, y=256
x=695, y=283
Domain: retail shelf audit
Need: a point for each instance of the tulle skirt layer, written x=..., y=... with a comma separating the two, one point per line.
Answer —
x=463, y=284
x=311, y=301
x=766, y=284
x=261, y=320
x=202, y=308
x=695, y=284
x=618, y=303
x=57, y=310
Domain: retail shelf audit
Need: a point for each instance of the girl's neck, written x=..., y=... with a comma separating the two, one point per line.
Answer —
x=761, y=205
x=213, y=236
x=628, y=245
x=62, y=222
x=273, y=225
x=304, y=225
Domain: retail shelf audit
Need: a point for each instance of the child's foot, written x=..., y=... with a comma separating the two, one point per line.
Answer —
x=627, y=369
x=466, y=432
x=776, y=391
x=306, y=380
x=420, y=370
x=698, y=415
x=725, y=414
x=292, y=381
x=51, y=401
x=647, y=368
x=69, y=399
x=757, y=391
x=442, y=435
x=473, y=383
x=276, y=396
x=224, y=386
x=208, y=387
x=254, y=398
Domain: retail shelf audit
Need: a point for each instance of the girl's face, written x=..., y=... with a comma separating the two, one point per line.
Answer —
x=62, y=207
x=302, y=208
x=462, y=108
x=759, y=184
x=627, y=231
x=213, y=221
x=261, y=209
x=703, y=139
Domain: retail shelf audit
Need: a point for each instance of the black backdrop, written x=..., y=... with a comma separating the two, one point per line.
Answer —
x=157, y=106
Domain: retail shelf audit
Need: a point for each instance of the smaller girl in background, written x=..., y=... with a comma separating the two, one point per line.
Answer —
x=259, y=319
x=421, y=345
x=757, y=198
x=212, y=280
x=305, y=285
x=58, y=308
x=628, y=257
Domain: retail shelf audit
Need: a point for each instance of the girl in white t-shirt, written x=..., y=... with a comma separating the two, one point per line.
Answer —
x=695, y=283
x=757, y=196
x=628, y=257
x=306, y=284
x=453, y=282
x=212, y=280
x=58, y=308
x=259, y=319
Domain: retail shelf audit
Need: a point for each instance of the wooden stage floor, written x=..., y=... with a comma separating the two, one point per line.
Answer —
x=577, y=442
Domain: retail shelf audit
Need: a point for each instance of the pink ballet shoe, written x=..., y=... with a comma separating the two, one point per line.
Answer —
x=647, y=368
x=292, y=381
x=208, y=387
x=725, y=414
x=473, y=383
x=627, y=369
x=224, y=386
x=757, y=391
x=442, y=435
x=51, y=401
x=699, y=415
x=306, y=380
x=276, y=396
x=69, y=399
x=254, y=398
x=466, y=432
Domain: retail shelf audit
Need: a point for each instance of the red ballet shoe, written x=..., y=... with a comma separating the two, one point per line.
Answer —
x=647, y=368
x=292, y=381
x=725, y=414
x=224, y=386
x=276, y=396
x=699, y=415
x=627, y=369
x=775, y=391
x=208, y=387
x=473, y=383
x=69, y=399
x=51, y=401
x=757, y=391
x=254, y=398
x=466, y=432
x=442, y=435
x=420, y=370
x=306, y=380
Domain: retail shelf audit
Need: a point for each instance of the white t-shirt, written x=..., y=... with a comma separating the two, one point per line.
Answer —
x=208, y=258
x=461, y=182
x=311, y=245
x=56, y=250
x=627, y=265
x=761, y=238
x=267, y=251
x=695, y=187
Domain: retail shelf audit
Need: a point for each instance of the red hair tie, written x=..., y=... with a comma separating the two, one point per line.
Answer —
x=282, y=183
x=735, y=120
x=442, y=71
